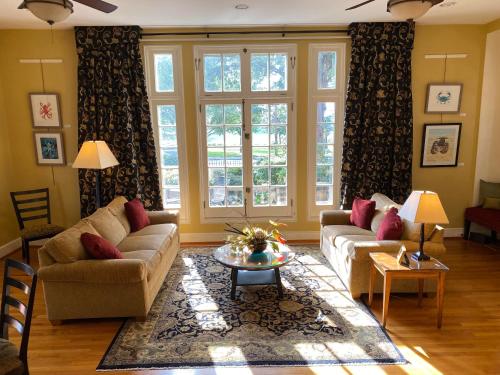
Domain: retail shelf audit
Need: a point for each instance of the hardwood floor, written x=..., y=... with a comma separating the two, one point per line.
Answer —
x=468, y=343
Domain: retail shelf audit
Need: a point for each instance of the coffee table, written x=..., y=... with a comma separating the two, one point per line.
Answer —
x=254, y=269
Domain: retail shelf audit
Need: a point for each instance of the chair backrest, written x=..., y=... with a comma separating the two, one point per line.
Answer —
x=7, y=319
x=31, y=205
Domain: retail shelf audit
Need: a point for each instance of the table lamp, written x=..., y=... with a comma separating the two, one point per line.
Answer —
x=95, y=155
x=423, y=207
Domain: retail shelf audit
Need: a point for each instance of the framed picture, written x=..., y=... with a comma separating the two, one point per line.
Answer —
x=45, y=111
x=49, y=148
x=402, y=258
x=440, y=145
x=443, y=98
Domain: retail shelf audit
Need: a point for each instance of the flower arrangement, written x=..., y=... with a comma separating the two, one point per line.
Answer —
x=255, y=238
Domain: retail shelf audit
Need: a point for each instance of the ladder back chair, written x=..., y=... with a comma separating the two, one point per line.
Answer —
x=33, y=205
x=14, y=361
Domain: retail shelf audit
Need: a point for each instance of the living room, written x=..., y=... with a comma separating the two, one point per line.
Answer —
x=319, y=125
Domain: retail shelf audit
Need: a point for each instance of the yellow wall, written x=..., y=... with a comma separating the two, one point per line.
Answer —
x=17, y=80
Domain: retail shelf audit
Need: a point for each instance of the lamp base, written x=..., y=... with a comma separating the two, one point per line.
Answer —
x=420, y=256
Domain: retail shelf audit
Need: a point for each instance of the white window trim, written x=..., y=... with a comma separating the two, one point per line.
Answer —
x=170, y=98
x=315, y=96
x=204, y=98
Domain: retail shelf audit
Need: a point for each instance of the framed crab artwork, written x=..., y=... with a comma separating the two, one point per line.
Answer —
x=45, y=110
x=443, y=98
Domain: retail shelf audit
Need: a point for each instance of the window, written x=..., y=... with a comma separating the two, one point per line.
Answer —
x=164, y=81
x=246, y=123
x=326, y=103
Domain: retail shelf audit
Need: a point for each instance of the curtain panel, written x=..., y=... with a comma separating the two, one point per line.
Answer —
x=113, y=106
x=378, y=127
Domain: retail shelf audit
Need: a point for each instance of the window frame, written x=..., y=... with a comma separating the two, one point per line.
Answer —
x=176, y=98
x=315, y=96
x=246, y=97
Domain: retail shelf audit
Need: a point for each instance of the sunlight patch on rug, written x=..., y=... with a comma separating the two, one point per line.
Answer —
x=194, y=323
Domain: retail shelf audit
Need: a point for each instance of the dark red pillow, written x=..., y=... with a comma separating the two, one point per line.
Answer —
x=99, y=248
x=362, y=213
x=391, y=227
x=136, y=215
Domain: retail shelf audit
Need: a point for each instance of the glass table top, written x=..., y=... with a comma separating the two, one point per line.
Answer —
x=245, y=260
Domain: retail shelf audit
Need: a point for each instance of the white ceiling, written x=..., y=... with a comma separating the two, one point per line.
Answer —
x=157, y=13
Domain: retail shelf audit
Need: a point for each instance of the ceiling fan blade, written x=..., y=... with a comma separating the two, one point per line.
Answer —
x=360, y=4
x=99, y=5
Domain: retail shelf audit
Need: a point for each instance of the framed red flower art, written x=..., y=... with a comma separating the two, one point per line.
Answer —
x=45, y=110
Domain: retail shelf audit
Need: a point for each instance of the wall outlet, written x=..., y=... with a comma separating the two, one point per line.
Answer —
x=461, y=164
x=463, y=114
x=67, y=126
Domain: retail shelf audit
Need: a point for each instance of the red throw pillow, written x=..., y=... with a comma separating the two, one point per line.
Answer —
x=136, y=215
x=391, y=227
x=99, y=248
x=362, y=213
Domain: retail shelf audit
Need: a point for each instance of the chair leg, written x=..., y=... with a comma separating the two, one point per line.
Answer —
x=466, y=229
x=493, y=236
x=26, y=251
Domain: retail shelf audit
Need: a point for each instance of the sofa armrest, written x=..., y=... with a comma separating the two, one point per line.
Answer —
x=164, y=217
x=335, y=217
x=109, y=271
x=437, y=234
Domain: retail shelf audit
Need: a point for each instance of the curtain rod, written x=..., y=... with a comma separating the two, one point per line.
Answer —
x=282, y=32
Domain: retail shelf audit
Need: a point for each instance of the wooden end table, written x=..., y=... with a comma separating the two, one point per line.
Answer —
x=388, y=266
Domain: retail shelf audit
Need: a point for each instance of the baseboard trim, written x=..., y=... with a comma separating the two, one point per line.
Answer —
x=453, y=232
x=10, y=247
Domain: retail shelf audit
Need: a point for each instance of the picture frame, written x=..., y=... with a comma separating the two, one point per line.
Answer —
x=440, y=145
x=49, y=148
x=45, y=110
x=443, y=98
x=402, y=258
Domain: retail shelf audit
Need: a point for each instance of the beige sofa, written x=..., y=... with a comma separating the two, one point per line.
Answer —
x=77, y=287
x=347, y=247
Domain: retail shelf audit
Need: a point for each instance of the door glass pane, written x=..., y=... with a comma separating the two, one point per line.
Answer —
x=212, y=65
x=164, y=72
x=232, y=73
x=269, y=71
x=170, y=182
x=327, y=70
x=222, y=72
x=224, y=154
x=325, y=128
x=269, y=154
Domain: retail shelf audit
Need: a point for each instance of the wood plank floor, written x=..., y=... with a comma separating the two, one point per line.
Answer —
x=468, y=343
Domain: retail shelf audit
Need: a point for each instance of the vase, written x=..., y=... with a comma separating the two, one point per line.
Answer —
x=259, y=247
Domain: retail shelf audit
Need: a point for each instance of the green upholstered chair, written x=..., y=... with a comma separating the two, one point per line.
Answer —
x=14, y=361
x=33, y=205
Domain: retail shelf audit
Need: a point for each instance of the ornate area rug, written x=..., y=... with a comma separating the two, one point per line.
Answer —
x=194, y=323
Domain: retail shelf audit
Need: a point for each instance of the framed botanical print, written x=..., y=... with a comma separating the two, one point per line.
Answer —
x=440, y=145
x=45, y=110
x=443, y=98
x=49, y=148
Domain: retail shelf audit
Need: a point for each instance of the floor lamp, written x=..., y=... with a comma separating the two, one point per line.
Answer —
x=95, y=155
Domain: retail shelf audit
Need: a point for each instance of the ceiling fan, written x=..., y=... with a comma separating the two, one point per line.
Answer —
x=405, y=9
x=52, y=11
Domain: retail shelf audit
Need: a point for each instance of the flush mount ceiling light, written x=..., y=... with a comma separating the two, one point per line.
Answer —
x=52, y=11
x=241, y=6
x=405, y=9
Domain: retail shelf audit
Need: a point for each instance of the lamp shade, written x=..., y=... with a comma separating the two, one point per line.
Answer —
x=95, y=155
x=423, y=207
x=409, y=9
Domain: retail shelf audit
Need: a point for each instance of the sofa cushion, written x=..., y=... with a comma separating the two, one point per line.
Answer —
x=411, y=231
x=330, y=232
x=107, y=225
x=383, y=202
x=362, y=212
x=358, y=247
x=149, y=242
x=136, y=215
x=377, y=219
x=391, y=227
x=493, y=203
x=164, y=229
x=66, y=246
x=150, y=257
x=488, y=189
x=98, y=247
x=117, y=208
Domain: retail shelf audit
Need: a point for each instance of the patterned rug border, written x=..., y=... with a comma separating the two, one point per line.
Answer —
x=200, y=365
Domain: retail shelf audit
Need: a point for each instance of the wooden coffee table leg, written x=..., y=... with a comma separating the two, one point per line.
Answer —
x=387, y=295
x=234, y=281
x=440, y=298
x=278, y=282
x=420, y=291
x=373, y=274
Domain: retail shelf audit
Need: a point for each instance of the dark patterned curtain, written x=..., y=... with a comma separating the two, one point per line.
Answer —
x=378, y=128
x=113, y=106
